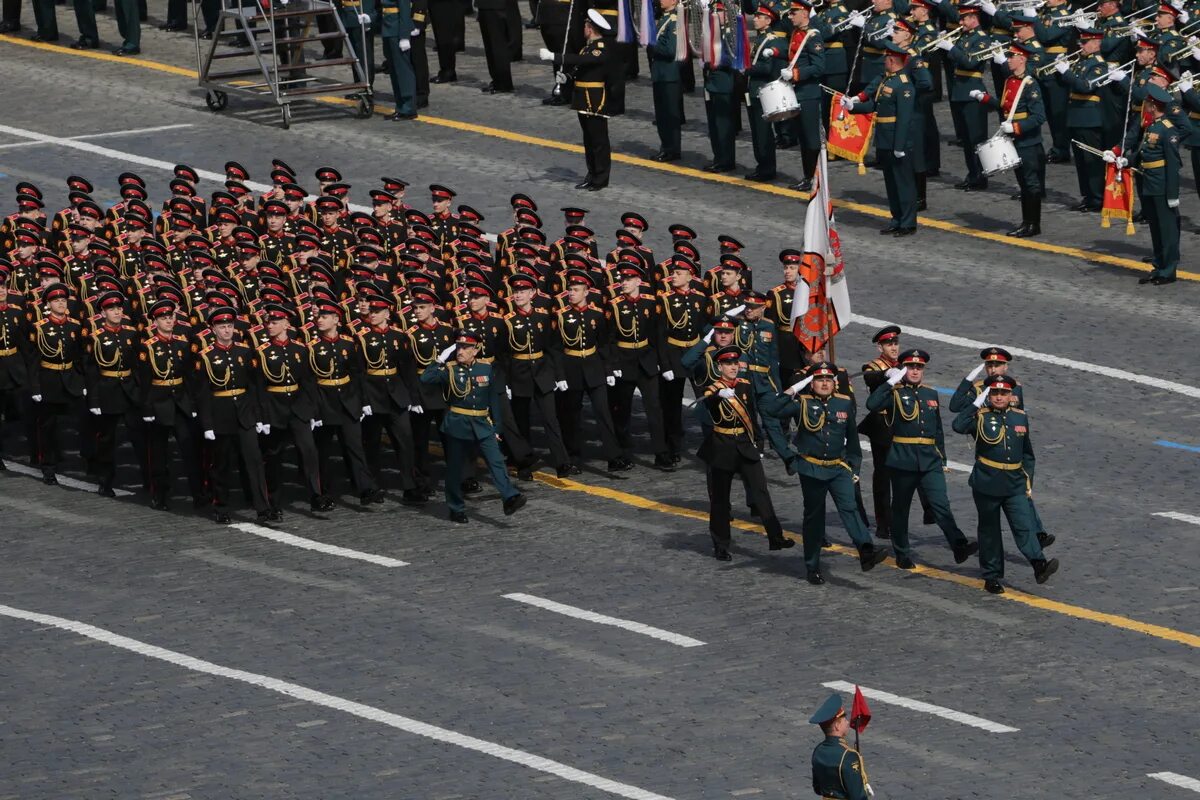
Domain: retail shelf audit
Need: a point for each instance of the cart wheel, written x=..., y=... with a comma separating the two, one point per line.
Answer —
x=215, y=100
x=366, y=106
x=287, y=116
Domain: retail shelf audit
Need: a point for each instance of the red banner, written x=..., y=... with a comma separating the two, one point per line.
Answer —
x=1118, y=197
x=849, y=134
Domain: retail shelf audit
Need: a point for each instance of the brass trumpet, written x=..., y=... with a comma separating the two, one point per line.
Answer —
x=948, y=36
x=1071, y=58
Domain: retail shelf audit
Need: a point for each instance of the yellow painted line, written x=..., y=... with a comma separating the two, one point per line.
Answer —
x=1093, y=256
x=1011, y=595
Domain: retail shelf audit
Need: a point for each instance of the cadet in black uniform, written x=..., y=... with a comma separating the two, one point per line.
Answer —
x=54, y=360
x=112, y=391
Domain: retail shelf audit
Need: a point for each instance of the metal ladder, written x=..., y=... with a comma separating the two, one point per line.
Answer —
x=259, y=51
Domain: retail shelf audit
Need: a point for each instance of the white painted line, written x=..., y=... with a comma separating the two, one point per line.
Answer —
x=602, y=619
x=924, y=708
x=1175, y=515
x=1032, y=355
x=129, y=132
x=71, y=483
x=320, y=547
x=1175, y=779
x=406, y=724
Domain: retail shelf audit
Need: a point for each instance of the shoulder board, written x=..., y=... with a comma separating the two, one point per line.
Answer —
x=743, y=380
x=1167, y=123
x=510, y=315
x=773, y=35
x=345, y=338
x=40, y=322
x=1015, y=410
x=978, y=385
x=843, y=396
x=903, y=78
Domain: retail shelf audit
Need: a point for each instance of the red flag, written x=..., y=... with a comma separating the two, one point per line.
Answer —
x=860, y=714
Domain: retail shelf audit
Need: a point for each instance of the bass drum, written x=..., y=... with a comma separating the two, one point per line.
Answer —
x=778, y=100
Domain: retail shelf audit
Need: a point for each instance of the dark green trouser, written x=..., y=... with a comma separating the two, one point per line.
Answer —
x=1089, y=169
x=721, y=110
x=85, y=20
x=668, y=115
x=47, y=23
x=1164, y=235
x=458, y=452
x=904, y=484
x=901, y=187
x=128, y=23
x=761, y=135
x=1018, y=509
x=814, y=490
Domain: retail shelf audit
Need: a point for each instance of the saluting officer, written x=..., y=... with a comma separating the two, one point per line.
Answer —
x=828, y=460
x=917, y=453
x=54, y=361
x=470, y=423
x=838, y=770
x=112, y=391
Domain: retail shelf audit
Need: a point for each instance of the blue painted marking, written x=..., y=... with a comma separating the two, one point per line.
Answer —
x=942, y=390
x=1191, y=448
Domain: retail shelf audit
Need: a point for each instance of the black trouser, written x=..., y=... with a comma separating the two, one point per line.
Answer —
x=720, y=482
x=1089, y=169
x=597, y=151
x=210, y=11
x=762, y=137
x=420, y=64
x=8, y=412
x=301, y=434
x=514, y=30
x=158, y=457
x=47, y=22
x=620, y=401
x=514, y=444
x=446, y=16
x=177, y=12
x=330, y=48
x=47, y=451
x=10, y=11
x=493, y=26
x=104, y=444
x=85, y=20
x=399, y=431
x=881, y=487
x=1056, y=96
x=422, y=425
x=933, y=140
x=974, y=129
x=550, y=428
x=225, y=450
x=671, y=393
x=364, y=51
x=668, y=115
x=570, y=414
x=350, y=436
x=720, y=109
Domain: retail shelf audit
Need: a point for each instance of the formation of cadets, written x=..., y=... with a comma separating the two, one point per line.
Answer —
x=219, y=332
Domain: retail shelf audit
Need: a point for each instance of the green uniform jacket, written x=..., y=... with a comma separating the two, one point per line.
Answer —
x=838, y=770
x=836, y=60
x=396, y=19
x=757, y=341
x=1057, y=37
x=1083, y=107
x=1117, y=48
x=470, y=390
x=1030, y=115
x=1003, y=450
x=875, y=33
x=826, y=437
x=768, y=56
x=967, y=391
x=913, y=415
x=968, y=60
x=349, y=10
x=810, y=65
x=894, y=104
x=663, y=66
x=1158, y=159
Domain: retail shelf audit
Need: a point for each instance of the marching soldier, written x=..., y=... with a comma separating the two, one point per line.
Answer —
x=13, y=371
x=729, y=449
x=427, y=337
x=1084, y=119
x=804, y=70
x=683, y=313
x=1001, y=479
x=917, y=453
x=828, y=460
x=112, y=391
x=970, y=119
x=666, y=83
x=720, y=105
x=767, y=60
x=838, y=769
x=760, y=352
x=470, y=423
x=1056, y=33
x=54, y=364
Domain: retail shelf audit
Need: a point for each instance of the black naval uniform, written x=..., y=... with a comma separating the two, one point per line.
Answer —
x=289, y=406
x=54, y=358
x=590, y=101
x=534, y=371
x=684, y=316
x=168, y=407
x=585, y=344
x=13, y=371
x=113, y=392
x=635, y=334
x=386, y=391
x=337, y=366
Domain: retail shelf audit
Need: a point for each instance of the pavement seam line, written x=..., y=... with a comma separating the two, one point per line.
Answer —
x=878, y=212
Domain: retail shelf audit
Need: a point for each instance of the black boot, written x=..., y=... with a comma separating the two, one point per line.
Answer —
x=1020, y=230
x=869, y=555
x=1043, y=569
x=1035, y=216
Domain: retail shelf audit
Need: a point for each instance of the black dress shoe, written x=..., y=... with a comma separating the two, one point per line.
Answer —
x=883, y=533
x=222, y=518
x=37, y=37
x=962, y=184
x=514, y=504
x=992, y=586
x=371, y=497
x=1043, y=569
x=490, y=89
x=781, y=544
x=172, y=27
x=721, y=554
x=321, y=504
x=595, y=187
x=826, y=543
x=127, y=51
x=664, y=156
x=905, y=232
x=159, y=503
x=1162, y=281
x=620, y=465
x=716, y=168
x=1086, y=208
x=1059, y=159
x=761, y=177
x=869, y=556
x=922, y=205
x=815, y=578
x=106, y=491
x=422, y=102
x=471, y=486
x=567, y=470
x=49, y=479
x=398, y=117
x=889, y=229
x=270, y=515
x=663, y=461
x=83, y=43
x=1045, y=539
x=584, y=184
x=413, y=497
x=978, y=186
x=206, y=35
x=802, y=186
x=8, y=26
x=458, y=516
x=1145, y=280
x=675, y=459
x=444, y=77
x=904, y=562
x=965, y=551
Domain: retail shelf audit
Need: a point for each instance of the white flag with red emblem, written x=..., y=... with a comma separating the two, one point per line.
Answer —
x=821, y=303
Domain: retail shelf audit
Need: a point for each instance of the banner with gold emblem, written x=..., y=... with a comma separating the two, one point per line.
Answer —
x=1118, y=197
x=849, y=134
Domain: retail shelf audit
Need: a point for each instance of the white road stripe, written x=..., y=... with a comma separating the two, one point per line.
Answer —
x=72, y=483
x=129, y=132
x=1032, y=355
x=924, y=708
x=601, y=619
x=320, y=547
x=1175, y=515
x=1175, y=779
x=315, y=697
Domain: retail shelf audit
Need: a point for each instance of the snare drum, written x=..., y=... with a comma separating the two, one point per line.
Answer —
x=778, y=100
x=997, y=154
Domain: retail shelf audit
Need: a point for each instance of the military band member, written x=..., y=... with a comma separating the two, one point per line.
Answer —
x=838, y=770
x=876, y=26
x=767, y=58
x=1158, y=159
x=828, y=459
x=470, y=422
x=728, y=409
x=1056, y=32
x=970, y=119
x=917, y=454
x=666, y=83
x=1001, y=479
x=1085, y=121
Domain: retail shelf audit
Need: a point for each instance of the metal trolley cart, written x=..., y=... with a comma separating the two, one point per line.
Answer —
x=257, y=50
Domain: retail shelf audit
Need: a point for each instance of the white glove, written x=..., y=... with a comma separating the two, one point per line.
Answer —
x=610, y=380
x=37, y=398
x=1082, y=23
x=979, y=401
x=560, y=78
x=735, y=312
x=193, y=415
x=405, y=45
x=858, y=19
x=364, y=19
x=416, y=409
x=847, y=102
x=85, y=392
x=367, y=411
x=999, y=58
x=895, y=375
x=975, y=373
x=1006, y=126
x=1117, y=75
x=1186, y=85
x=618, y=374
x=1109, y=157
x=445, y=354
x=560, y=386
x=669, y=375
x=508, y=392
x=1135, y=34
x=899, y=153
x=977, y=94
x=797, y=386
x=708, y=336
x=1193, y=39
x=266, y=429
x=147, y=419
x=545, y=55
x=415, y=33
x=1195, y=52
x=1122, y=162
x=313, y=424
x=1061, y=66
x=944, y=44
x=1173, y=203
x=727, y=394
x=988, y=7
x=210, y=436
x=95, y=412
x=785, y=73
